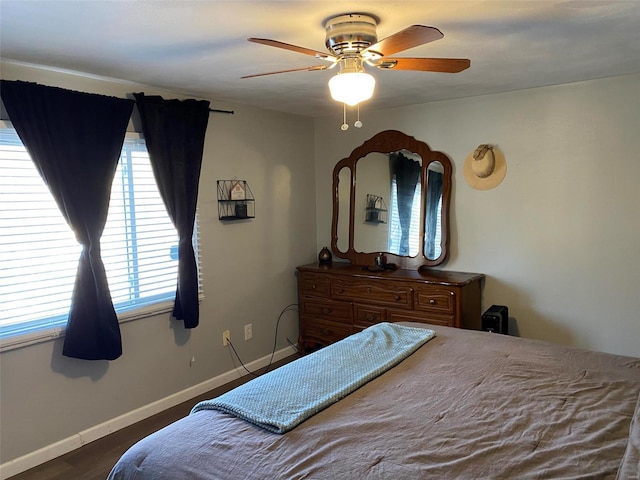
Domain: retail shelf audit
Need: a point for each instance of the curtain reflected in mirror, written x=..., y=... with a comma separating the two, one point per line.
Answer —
x=433, y=215
x=405, y=177
x=395, y=230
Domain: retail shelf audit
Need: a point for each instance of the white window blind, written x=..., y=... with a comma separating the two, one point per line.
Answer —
x=395, y=230
x=39, y=254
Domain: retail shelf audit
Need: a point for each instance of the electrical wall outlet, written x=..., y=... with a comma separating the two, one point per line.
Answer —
x=248, y=331
x=226, y=338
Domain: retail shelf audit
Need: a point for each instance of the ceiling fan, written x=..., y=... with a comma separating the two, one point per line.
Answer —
x=352, y=43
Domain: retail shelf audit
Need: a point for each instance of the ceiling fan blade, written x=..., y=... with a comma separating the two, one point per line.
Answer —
x=444, y=65
x=303, y=69
x=293, y=48
x=404, y=39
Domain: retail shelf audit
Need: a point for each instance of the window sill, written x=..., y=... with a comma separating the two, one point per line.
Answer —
x=50, y=334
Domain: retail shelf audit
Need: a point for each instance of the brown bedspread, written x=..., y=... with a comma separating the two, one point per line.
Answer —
x=466, y=405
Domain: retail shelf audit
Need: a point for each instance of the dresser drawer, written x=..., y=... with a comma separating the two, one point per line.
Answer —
x=436, y=299
x=337, y=311
x=314, y=285
x=367, y=315
x=377, y=292
x=422, y=317
x=323, y=332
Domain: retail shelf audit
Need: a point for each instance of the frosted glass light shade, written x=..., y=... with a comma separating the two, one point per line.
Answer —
x=352, y=88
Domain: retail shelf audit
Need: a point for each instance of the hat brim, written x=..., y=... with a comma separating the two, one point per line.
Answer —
x=493, y=180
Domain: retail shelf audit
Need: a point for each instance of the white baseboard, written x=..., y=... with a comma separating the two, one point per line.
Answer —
x=33, y=459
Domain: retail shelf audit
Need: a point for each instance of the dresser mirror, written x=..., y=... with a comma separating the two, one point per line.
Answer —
x=342, y=220
x=391, y=196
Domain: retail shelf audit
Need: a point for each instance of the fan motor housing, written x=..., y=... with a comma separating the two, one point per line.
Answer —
x=350, y=33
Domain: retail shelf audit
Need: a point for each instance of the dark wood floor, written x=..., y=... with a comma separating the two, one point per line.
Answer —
x=95, y=460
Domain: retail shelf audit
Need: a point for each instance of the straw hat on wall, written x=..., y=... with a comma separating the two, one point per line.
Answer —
x=485, y=168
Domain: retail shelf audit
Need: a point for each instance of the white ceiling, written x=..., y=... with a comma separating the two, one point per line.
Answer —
x=199, y=48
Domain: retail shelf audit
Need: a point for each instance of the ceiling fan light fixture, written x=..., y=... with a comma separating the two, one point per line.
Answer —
x=352, y=41
x=352, y=87
x=350, y=32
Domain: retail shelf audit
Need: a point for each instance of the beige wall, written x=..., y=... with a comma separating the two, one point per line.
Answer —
x=248, y=275
x=559, y=239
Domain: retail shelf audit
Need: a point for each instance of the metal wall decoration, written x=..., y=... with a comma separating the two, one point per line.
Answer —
x=235, y=200
x=376, y=209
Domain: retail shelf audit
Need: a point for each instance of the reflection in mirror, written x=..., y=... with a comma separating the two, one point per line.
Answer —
x=343, y=199
x=433, y=214
x=395, y=177
x=404, y=234
x=373, y=179
x=411, y=189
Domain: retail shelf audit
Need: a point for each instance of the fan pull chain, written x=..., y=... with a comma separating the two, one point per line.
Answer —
x=344, y=126
x=358, y=123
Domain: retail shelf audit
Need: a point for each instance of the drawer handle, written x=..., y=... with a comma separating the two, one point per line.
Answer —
x=398, y=298
x=372, y=317
x=327, y=310
x=432, y=301
x=326, y=331
x=313, y=287
x=340, y=290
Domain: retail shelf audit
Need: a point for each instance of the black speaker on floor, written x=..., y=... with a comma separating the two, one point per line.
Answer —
x=496, y=319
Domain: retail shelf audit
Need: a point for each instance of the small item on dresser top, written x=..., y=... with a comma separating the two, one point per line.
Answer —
x=376, y=268
x=324, y=257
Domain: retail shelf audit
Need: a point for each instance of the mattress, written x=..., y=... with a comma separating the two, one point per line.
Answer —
x=465, y=405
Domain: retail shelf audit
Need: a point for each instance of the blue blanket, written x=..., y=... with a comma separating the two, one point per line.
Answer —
x=280, y=400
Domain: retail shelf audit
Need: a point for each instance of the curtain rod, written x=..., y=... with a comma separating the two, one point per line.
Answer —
x=215, y=110
x=230, y=112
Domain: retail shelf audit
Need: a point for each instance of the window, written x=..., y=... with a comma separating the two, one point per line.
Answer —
x=39, y=253
x=395, y=230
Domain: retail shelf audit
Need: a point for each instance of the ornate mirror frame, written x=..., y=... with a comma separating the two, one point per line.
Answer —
x=387, y=142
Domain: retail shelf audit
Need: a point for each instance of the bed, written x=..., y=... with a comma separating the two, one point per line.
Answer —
x=466, y=404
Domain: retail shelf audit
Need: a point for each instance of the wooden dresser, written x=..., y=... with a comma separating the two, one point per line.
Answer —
x=339, y=299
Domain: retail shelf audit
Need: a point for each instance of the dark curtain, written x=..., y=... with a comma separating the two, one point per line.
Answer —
x=75, y=140
x=174, y=132
x=407, y=175
x=433, y=194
